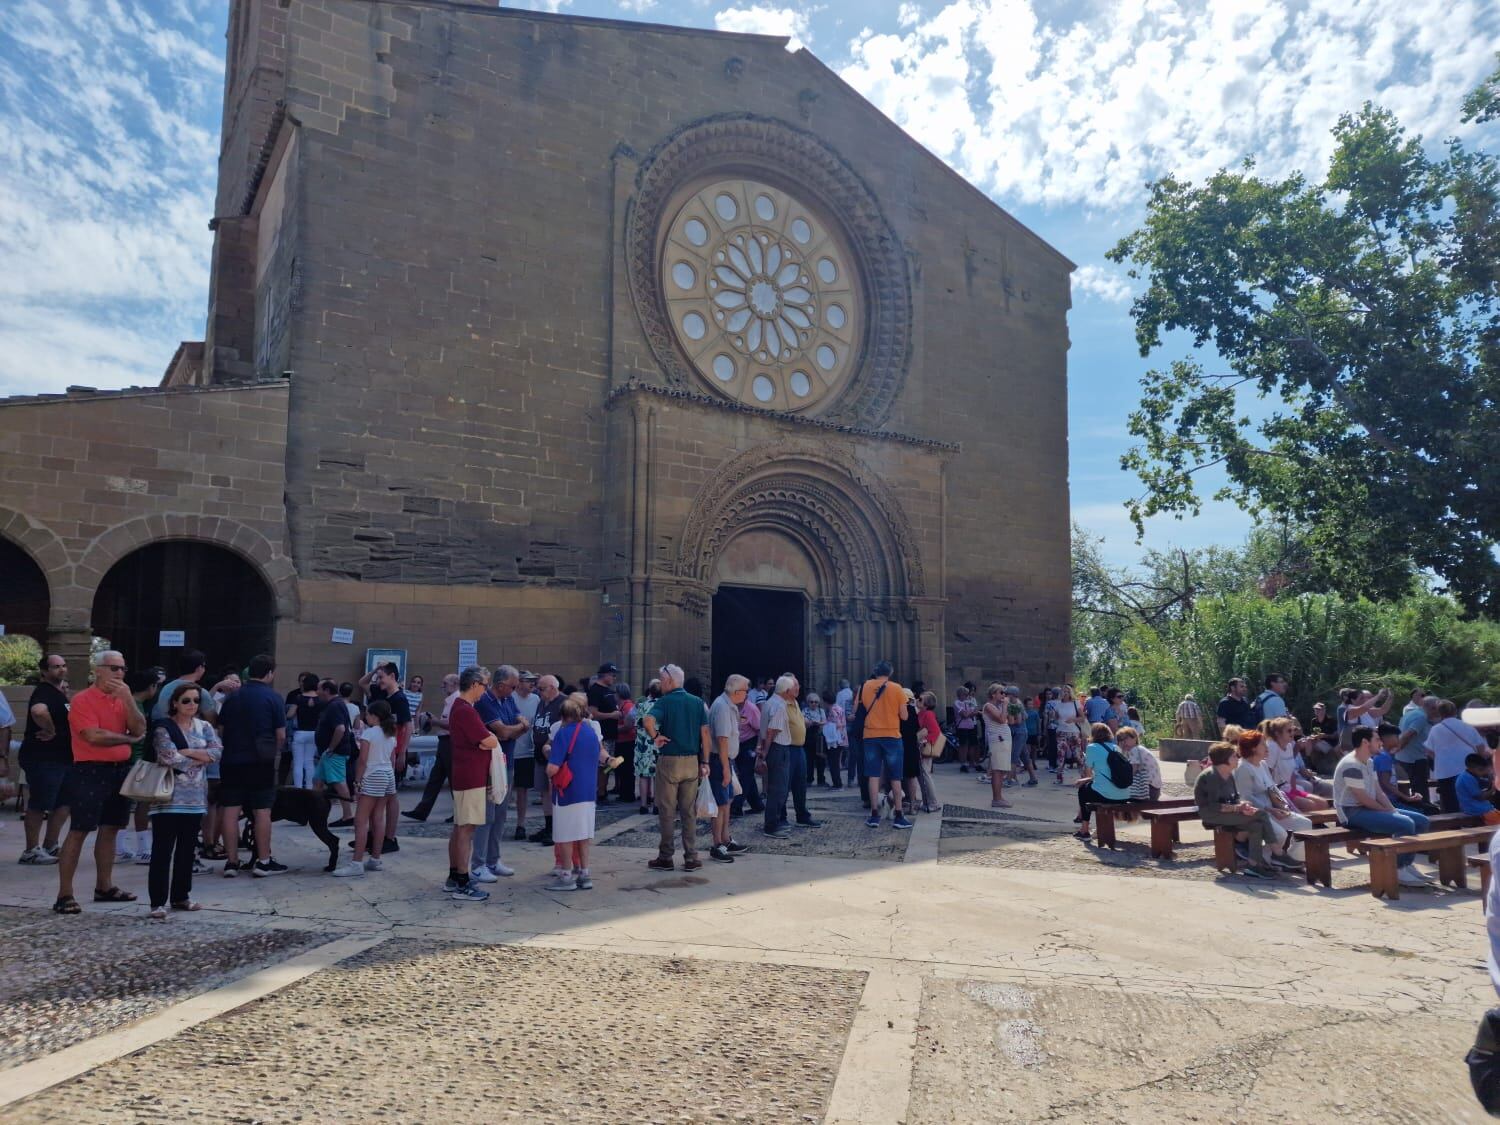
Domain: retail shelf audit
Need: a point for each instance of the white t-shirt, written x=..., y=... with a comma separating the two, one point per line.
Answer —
x=382, y=748
x=1254, y=783
x=1451, y=741
x=1067, y=716
x=1281, y=761
x=1351, y=776
x=845, y=700
x=528, y=706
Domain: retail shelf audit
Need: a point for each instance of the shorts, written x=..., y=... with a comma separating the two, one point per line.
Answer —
x=92, y=794
x=333, y=769
x=884, y=755
x=968, y=736
x=722, y=787
x=248, y=786
x=525, y=773
x=380, y=781
x=468, y=807
x=44, y=783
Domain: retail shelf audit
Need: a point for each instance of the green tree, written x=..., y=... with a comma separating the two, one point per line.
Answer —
x=1365, y=312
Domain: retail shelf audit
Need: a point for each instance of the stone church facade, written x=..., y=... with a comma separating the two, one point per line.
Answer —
x=582, y=339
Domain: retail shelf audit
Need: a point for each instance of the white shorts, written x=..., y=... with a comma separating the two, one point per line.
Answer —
x=1000, y=753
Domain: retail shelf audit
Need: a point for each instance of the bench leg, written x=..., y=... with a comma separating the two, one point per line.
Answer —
x=1104, y=827
x=1383, y=875
x=1224, y=857
x=1484, y=885
x=1176, y=832
x=1451, y=868
x=1161, y=840
x=1319, y=863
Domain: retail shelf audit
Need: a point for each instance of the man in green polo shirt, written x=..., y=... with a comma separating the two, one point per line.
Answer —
x=678, y=725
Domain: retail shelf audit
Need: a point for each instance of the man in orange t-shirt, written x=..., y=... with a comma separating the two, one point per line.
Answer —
x=883, y=702
x=105, y=722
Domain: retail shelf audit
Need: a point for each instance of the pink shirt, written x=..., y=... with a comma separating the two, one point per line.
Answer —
x=749, y=721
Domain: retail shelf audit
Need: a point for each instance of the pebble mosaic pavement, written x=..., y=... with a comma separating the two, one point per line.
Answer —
x=64, y=980
x=640, y=1057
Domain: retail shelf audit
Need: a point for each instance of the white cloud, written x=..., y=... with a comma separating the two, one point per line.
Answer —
x=637, y=5
x=1084, y=110
x=1101, y=283
x=762, y=19
x=107, y=156
x=543, y=5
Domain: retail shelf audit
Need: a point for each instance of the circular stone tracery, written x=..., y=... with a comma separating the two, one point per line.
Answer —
x=759, y=291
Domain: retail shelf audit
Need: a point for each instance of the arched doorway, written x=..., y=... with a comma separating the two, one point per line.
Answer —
x=765, y=580
x=213, y=596
x=25, y=599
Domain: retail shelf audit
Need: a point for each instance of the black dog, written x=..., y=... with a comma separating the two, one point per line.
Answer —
x=299, y=806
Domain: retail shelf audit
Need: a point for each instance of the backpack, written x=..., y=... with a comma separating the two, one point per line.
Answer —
x=1121, y=772
x=1258, y=708
x=856, y=725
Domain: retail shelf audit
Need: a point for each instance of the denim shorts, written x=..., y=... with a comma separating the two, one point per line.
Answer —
x=44, y=783
x=721, y=787
x=884, y=755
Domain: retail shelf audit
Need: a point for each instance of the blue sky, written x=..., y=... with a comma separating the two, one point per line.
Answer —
x=1061, y=110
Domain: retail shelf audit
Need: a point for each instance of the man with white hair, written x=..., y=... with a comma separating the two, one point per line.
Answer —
x=724, y=725
x=105, y=722
x=678, y=725
x=783, y=734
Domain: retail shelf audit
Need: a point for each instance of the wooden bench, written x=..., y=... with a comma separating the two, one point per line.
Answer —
x=1448, y=846
x=1317, y=841
x=1482, y=864
x=1104, y=815
x=1166, y=827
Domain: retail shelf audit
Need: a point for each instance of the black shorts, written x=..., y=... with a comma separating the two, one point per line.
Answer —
x=45, y=782
x=525, y=773
x=968, y=736
x=92, y=794
x=248, y=787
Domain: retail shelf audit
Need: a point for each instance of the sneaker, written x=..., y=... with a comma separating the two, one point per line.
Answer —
x=659, y=864
x=482, y=874
x=1082, y=834
x=503, y=871
x=781, y=833
x=373, y=864
x=1409, y=878
x=391, y=846
x=1285, y=862
x=143, y=859
x=470, y=893
x=450, y=885
x=872, y=821
x=562, y=882
x=231, y=870
x=417, y=816
x=643, y=810
x=264, y=868
x=585, y=883
x=1030, y=783
x=39, y=856
x=963, y=769
x=691, y=864
x=1260, y=872
x=53, y=850
x=1000, y=804
x=541, y=836
x=720, y=853
x=809, y=823
x=734, y=847
x=520, y=833
x=900, y=821
x=349, y=870
x=200, y=868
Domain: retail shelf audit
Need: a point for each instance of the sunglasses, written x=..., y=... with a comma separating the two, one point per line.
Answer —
x=193, y=699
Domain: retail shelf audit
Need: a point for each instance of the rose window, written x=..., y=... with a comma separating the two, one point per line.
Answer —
x=761, y=294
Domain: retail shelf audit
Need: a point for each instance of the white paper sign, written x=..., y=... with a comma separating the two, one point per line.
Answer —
x=468, y=654
x=171, y=638
x=343, y=636
x=2, y=630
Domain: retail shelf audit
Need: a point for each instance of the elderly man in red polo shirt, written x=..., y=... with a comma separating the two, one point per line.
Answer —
x=105, y=722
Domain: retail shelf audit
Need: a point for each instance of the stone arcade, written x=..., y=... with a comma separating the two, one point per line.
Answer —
x=579, y=338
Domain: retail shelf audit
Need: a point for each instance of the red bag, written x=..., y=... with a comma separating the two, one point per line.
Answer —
x=564, y=775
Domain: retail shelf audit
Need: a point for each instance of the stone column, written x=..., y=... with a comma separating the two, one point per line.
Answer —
x=73, y=645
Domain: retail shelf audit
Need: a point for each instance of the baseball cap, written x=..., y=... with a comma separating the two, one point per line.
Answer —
x=607, y=667
x=530, y=677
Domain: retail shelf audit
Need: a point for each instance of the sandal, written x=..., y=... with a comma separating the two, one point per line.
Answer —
x=158, y=915
x=114, y=894
x=67, y=905
x=216, y=852
x=189, y=904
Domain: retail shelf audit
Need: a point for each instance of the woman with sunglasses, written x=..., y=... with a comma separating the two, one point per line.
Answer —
x=185, y=744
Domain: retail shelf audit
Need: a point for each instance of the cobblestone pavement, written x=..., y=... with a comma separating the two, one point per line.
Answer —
x=444, y=1034
x=63, y=980
x=841, y=835
x=1026, y=1053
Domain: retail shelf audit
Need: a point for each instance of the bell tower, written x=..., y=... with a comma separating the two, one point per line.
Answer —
x=254, y=86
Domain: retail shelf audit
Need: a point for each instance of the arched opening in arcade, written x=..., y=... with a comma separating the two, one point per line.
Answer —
x=760, y=607
x=25, y=603
x=213, y=597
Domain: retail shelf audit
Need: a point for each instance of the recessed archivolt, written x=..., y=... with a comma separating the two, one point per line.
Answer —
x=827, y=501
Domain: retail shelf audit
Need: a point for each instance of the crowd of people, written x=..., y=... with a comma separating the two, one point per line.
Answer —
x=510, y=737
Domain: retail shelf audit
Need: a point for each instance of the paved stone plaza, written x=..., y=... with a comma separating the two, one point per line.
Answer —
x=984, y=967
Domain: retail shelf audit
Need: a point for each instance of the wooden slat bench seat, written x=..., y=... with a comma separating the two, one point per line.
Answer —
x=1318, y=840
x=1165, y=830
x=1447, y=846
x=1481, y=863
x=1105, y=814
